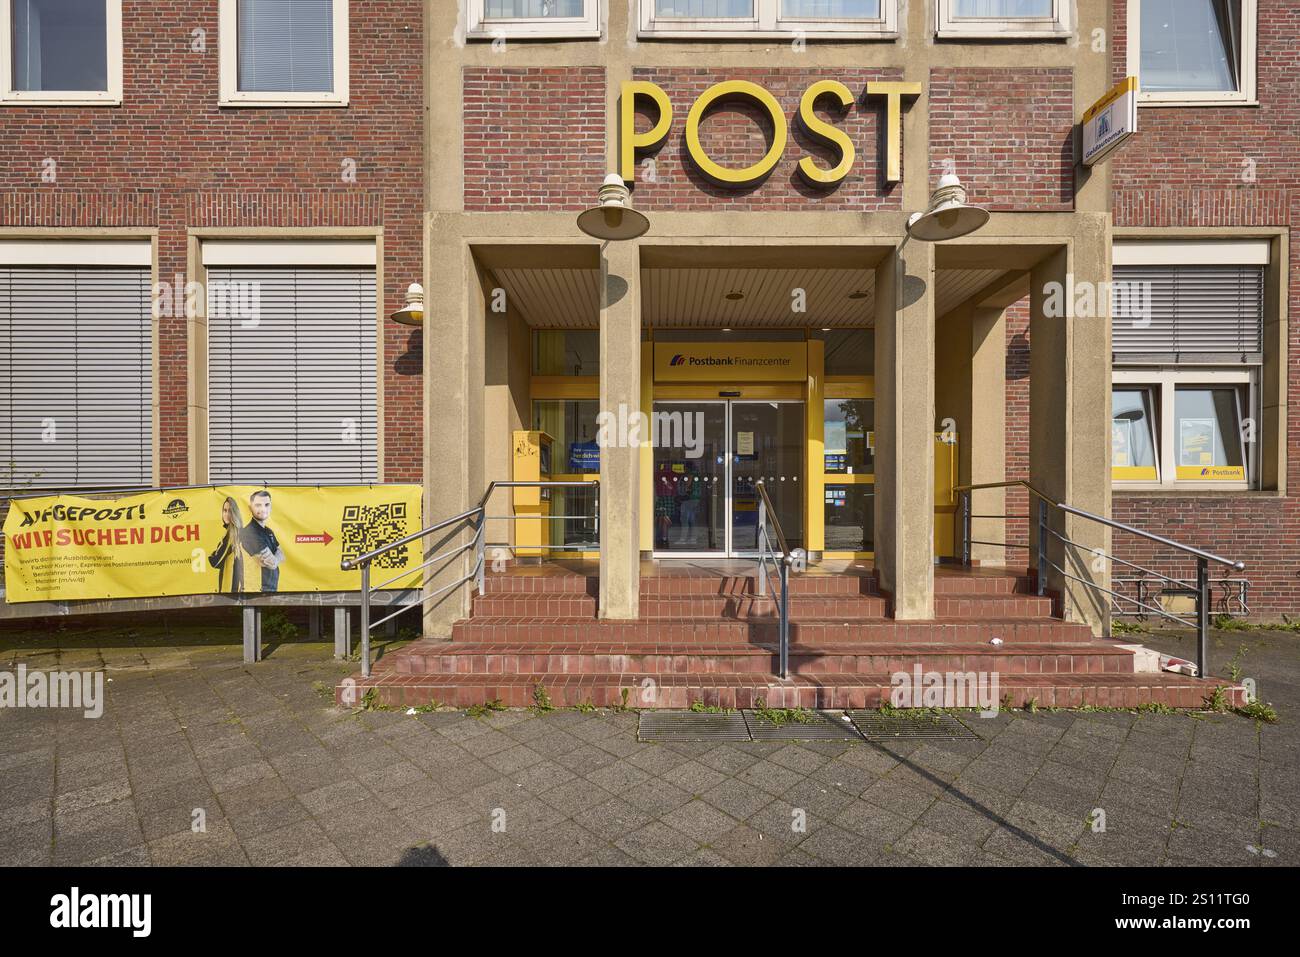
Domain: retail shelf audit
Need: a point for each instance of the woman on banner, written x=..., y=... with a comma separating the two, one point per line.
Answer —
x=228, y=552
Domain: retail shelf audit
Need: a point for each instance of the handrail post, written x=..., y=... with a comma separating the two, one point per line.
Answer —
x=966, y=528
x=1202, y=617
x=1042, y=547
x=365, y=620
x=762, y=551
x=785, y=618
x=480, y=536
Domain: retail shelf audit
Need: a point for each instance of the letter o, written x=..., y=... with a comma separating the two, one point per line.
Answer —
x=742, y=89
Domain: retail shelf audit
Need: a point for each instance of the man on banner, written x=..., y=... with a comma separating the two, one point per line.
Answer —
x=260, y=541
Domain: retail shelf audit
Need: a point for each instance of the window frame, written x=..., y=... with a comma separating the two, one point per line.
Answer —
x=1246, y=95
x=1058, y=26
x=1165, y=381
x=222, y=247
x=767, y=23
x=86, y=248
x=479, y=26
x=112, y=66
x=228, y=57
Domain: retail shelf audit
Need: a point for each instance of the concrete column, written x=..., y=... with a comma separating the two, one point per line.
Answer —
x=1069, y=400
x=454, y=375
x=905, y=342
x=983, y=447
x=620, y=460
x=970, y=363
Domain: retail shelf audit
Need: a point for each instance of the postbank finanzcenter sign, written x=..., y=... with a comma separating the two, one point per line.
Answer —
x=631, y=142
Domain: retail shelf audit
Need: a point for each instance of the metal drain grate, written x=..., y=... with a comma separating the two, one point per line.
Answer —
x=876, y=726
x=819, y=727
x=692, y=726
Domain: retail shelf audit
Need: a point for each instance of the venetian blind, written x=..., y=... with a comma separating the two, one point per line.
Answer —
x=77, y=355
x=291, y=375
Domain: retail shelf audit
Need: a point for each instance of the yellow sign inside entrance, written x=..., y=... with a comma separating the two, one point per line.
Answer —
x=730, y=361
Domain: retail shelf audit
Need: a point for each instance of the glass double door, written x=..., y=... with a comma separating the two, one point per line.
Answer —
x=708, y=459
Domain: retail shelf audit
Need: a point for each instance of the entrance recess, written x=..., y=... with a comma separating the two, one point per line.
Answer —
x=708, y=455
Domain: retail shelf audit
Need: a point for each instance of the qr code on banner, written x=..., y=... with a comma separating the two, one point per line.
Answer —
x=367, y=527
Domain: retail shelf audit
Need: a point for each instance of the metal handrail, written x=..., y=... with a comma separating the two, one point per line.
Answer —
x=478, y=515
x=1150, y=536
x=782, y=562
x=1201, y=588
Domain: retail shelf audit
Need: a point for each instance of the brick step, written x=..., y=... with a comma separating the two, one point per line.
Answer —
x=559, y=605
x=454, y=657
x=556, y=583
x=752, y=606
x=686, y=586
x=831, y=692
x=1010, y=582
x=553, y=630
x=996, y=605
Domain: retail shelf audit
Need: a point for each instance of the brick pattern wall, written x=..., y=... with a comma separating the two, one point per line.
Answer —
x=738, y=134
x=1007, y=133
x=534, y=138
x=1232, y=166
x=1017, y=429
x=170, y=158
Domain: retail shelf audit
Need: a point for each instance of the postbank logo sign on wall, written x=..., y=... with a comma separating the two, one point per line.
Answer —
x=730, y=362
x=204, y=540
x=631, y=142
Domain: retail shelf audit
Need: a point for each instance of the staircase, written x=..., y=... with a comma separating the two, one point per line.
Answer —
x=708, y=636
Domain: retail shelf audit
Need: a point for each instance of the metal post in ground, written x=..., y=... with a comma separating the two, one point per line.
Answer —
x=1202, y=618
x=785, y=618
x=965, y=528
x=1042, y=547
x=365, y=620
x=342, y=642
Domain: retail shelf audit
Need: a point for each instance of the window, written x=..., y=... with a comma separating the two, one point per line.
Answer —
x=1193, y=52
x=1003, y=18
x=539, y=19
x=744, y=18
x=61, y=51
x=292, y=353
x=571, y=424
x=566, y=352
x=1188, y=339
x=848, y=428
x=284, y=52
x=76, y=365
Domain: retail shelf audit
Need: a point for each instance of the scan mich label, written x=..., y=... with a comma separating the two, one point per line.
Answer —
x=730, y=361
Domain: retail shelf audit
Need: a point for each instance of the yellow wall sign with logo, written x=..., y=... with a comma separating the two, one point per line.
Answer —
x=731, y=362
x=232, y=539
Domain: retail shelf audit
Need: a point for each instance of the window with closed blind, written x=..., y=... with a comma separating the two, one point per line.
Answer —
x=284, y=52
x=76, y=349
x=292, y=374
x=1187, y=325
x=1184, y=312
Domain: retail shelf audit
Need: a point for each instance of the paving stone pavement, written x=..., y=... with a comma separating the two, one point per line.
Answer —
x=279, y=775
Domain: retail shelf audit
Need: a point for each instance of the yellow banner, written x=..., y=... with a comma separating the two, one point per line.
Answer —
x=731, y=361
x=234, y=540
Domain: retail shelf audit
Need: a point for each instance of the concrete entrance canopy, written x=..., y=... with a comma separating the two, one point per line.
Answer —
x=932, y=308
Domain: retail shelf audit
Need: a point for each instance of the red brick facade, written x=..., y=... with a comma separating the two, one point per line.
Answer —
x=169, y=157
x=1206, y=167
x=1009, y=135
x=534, y=138
x=1232, y=166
